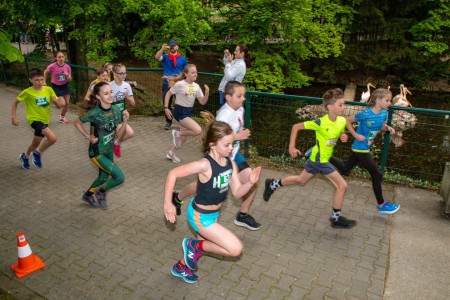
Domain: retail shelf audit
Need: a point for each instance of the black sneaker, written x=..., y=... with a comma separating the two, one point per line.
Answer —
x=176, y=202
x=89, y=200
x=168, y=125
x=247, y=221
x=342, y=222
x=101, y=199
x=267, y=189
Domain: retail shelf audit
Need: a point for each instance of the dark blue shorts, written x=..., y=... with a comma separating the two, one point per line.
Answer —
x=61, y=90
x=38, y=127
x=181, y=112
x=317, y=167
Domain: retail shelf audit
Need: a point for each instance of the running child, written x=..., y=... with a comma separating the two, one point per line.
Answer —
x=102, y=76
x=61, y=74
x=232, y=113
x=329, y=129
x=37, y=100
x=106, y=121
x=370, y=122
x=109, y=68
x=186, y=90
x=122, y=94
x=216, y=173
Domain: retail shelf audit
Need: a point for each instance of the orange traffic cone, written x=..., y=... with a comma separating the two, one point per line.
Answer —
x=28, y=262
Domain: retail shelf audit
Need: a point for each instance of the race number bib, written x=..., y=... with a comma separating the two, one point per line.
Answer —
x=331, y=142
x=371, y=137
x=61, y=78
x=41, y=101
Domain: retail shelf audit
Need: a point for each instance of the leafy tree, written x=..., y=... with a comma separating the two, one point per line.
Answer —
x=283, y=33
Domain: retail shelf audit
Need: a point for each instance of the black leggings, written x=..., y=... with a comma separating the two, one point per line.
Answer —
x=367, y=162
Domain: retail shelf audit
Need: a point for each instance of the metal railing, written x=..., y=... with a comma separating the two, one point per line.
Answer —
x=421, y=158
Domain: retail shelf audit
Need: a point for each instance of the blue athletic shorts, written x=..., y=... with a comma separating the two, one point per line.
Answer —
x=61, y=90
x=38, y=127
x=181, y=112
x=200, y=218
x=317, y=167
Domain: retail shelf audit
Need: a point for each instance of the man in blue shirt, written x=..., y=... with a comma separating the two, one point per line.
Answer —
x=173, y=64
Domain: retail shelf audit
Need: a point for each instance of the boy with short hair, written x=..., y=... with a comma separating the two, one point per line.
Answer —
x=329, y=129
x=37, y=100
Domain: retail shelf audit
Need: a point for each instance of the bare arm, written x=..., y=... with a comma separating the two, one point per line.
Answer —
x=204, y=99
x=79, y=126
x=14, y=120
x=196, y=167
x=237, y=187
x=89, y=91
x=386, y=127
x=123, y=129
x=57, y=102
x=350, y=121
x=166, y=105
x=158, y=55
x=293, y=151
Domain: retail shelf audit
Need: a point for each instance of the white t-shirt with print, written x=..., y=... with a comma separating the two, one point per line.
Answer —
x=234, y=118
x=186, y=93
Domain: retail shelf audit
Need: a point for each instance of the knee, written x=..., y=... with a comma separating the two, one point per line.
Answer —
x=120, y=178
x=236, y=250
x=342, y=186
x=198, y=131
x=52, y=139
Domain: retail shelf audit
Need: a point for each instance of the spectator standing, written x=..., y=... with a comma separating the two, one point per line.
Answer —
x=173, y=64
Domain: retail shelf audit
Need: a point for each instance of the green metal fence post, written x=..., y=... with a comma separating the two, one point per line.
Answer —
x=387, y=141
x=247, y=120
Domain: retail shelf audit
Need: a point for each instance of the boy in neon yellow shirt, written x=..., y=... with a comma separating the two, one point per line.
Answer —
x=329, y=129
x=37, y=100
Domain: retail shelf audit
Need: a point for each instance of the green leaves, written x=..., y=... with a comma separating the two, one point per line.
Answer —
x=7, y=50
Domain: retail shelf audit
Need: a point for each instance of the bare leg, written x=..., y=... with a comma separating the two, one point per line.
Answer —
x=301, y=179
x=341, y=187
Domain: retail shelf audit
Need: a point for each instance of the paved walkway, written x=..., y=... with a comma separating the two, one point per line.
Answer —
x=128, y=250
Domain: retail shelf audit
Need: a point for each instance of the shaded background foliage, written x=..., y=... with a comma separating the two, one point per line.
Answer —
x=293, y=41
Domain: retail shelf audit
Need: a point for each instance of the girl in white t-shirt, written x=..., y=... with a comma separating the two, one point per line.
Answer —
x=122, y=94
x=186, y=91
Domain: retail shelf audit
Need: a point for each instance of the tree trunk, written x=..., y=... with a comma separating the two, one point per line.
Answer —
x=76, y=52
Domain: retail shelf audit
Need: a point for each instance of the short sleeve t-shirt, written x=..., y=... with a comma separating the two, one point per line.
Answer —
x=37, y=103
x=103, y=125
x=169, y=68
x=369, y=125
x=327, y=135
x=119, y=94
x=234, y=118
x=57, y=71
x=186, y=93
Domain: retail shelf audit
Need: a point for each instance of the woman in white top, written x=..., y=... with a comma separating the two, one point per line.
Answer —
x=235, y=69
x=186, y=91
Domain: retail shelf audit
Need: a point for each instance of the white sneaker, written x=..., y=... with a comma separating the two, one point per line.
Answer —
x=173, y=157
x=176, y=140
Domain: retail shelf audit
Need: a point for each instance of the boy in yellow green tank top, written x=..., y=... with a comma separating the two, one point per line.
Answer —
x=329, y=129
x=37, y=100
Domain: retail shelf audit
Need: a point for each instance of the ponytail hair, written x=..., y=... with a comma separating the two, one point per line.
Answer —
x=248, y=58
x=215, y=130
